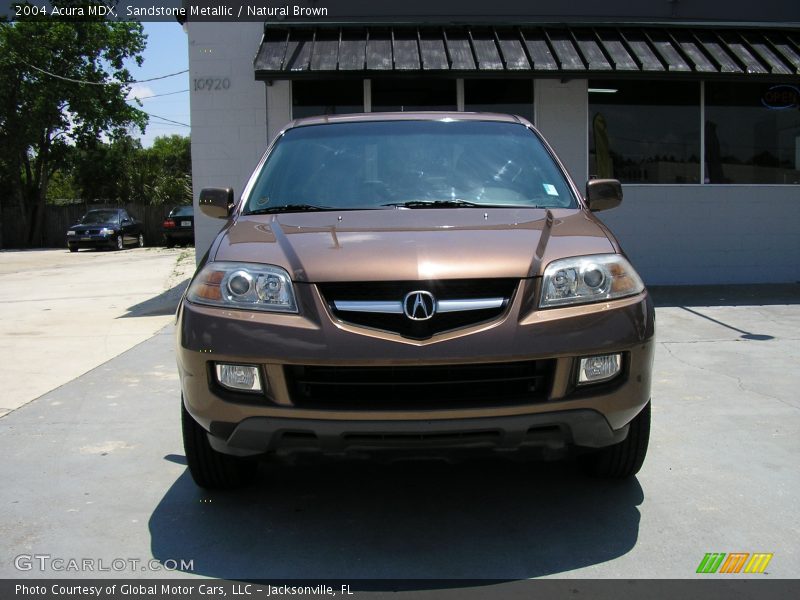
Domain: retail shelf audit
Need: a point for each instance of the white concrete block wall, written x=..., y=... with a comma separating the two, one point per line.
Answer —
x=229, y=126
x=279, y=106
x=698, y=234
x=561, y=112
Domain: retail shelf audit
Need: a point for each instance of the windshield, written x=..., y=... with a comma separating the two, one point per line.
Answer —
x=96, y=217
x=409, y=164
x=182, y=211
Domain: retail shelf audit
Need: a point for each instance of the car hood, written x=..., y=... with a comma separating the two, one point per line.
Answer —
x=417, y=244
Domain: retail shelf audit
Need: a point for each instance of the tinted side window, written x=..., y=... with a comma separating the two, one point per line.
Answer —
x=645, y=132
x=752, y=133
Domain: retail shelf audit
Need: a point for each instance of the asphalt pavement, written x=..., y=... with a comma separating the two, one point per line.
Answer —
x=95, y=470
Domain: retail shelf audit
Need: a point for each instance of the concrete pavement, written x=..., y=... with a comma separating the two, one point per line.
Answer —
x=62, y=313
x=98, y=472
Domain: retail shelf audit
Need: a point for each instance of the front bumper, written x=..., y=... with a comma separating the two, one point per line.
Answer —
x=553, y=430
x=594, y=416
x=92, y=241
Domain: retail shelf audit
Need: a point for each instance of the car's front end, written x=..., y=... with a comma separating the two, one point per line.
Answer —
x=98, y=228
x=97, y=235
x=414, y=326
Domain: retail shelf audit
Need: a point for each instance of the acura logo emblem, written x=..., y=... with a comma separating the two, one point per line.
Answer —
x=419, y=305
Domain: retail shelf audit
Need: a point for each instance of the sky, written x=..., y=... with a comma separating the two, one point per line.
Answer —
x=167, y=52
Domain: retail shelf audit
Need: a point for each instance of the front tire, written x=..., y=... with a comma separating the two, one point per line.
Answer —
x=211, y=469
x=140, y=241
x=120, y=244
x=624, y=459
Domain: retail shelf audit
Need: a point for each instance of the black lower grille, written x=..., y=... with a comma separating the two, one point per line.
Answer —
x=455, y=289
x=427, y=387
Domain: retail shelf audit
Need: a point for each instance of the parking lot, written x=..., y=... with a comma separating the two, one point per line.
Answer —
x=94, y=467
x=62, y=314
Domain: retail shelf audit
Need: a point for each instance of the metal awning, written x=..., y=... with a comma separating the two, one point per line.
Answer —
x=292, y=52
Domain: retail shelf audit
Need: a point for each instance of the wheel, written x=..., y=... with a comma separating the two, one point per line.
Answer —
x=120, y=244
x=141, y=240
x=624, y=459
x=211, y=469
x=169, y=242
x=73, y=248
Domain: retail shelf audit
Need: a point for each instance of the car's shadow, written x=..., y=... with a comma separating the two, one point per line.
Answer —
x=481, y=519
x=166, y=303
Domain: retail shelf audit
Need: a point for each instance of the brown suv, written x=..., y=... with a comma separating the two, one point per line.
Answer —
x=413, y=282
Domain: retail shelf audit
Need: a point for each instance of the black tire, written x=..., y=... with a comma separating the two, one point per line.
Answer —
x=119, y=242
x=140, y=240
x=622, y=460
x=73, y=248
x=169, y=242
x=211, y=469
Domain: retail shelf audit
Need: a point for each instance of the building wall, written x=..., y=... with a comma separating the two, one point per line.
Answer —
x=562, y=114
x=674, y=234
x=229, y=126
x=698, y=234
x=279, y=107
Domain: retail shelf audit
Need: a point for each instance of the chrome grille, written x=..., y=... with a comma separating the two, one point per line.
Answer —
x=379, y=305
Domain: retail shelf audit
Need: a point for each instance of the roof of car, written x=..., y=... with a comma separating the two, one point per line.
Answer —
x=406, y=116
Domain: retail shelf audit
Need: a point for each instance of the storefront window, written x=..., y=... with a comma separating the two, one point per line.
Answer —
x=513, y=96
x=311, y=98
x=413, y=94
x=752, y=133
x=645, y=131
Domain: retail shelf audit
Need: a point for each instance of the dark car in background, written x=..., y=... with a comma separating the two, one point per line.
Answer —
x=105, y=228
x=178, y=227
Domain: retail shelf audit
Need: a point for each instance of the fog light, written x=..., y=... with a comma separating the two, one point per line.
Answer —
x=599, y=368
x=239, y=377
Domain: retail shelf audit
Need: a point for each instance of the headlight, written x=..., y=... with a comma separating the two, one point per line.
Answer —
x=585, y=279
x=106, y=231
x=70, y=232
x=243, y=285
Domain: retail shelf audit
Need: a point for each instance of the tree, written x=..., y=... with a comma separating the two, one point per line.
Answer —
x=122, y=171
x=171, y=182
x=107, y=171
x=62, y=84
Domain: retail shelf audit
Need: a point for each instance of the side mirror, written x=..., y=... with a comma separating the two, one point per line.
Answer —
x=602, y=194
x=216, y=203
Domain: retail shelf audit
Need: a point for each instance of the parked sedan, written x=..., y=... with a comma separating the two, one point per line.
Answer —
x=178, y=227
x=105, y=228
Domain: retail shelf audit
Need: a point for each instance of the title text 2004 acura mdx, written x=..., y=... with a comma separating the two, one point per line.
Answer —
x=413, y=282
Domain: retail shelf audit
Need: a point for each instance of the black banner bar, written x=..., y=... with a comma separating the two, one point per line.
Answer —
x=409, y=11
x=423, y=589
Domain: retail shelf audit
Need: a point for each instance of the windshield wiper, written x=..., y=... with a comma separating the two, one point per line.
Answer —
x=432, y=203
x=289, y=208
